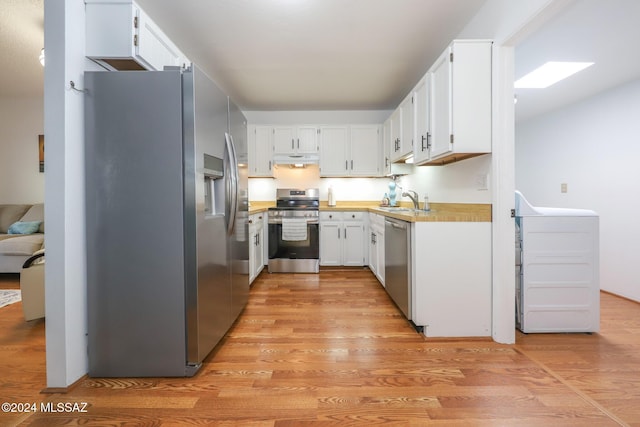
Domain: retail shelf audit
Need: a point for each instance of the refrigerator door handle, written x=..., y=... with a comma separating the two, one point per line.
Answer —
x=233, y=183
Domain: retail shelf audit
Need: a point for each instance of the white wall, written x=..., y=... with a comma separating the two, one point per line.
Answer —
x=592, y=146
x=21, y=121
x=452, y=183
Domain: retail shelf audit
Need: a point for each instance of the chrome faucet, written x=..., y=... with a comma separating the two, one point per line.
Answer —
x=414, y=198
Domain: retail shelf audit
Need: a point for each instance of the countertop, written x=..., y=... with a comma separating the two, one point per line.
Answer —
x=440, y=212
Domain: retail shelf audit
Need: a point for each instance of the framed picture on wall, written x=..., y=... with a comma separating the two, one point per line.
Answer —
x=41, y=151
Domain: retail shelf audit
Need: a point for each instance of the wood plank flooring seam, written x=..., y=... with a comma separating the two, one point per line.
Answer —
x=577, y=391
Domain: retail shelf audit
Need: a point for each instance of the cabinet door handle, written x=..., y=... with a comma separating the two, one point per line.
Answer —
x=422, y=147
x=292, y=144
x=351, y=164
x=345, y=232
x=346, y=165
x=338, y=232
x=298, y=143
x=269, y=164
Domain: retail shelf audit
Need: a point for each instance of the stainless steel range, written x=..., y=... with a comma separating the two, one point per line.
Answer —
x=294, y=231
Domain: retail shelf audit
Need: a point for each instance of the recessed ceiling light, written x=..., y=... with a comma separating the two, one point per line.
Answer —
x=550, y=73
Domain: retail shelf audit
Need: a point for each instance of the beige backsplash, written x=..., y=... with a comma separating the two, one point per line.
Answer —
x=455, y=183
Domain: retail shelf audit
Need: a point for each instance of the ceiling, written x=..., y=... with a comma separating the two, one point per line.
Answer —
x=604, y=32
x=346, y=54
x=313, y=54
x=276, y=54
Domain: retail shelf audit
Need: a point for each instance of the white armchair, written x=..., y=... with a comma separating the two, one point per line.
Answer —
x=32, y=286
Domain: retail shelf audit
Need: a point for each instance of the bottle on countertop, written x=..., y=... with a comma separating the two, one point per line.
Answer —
x=332, y=200
x=426, y=207
x=385, y=200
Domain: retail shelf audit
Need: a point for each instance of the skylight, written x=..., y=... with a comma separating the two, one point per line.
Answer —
x=550, y=73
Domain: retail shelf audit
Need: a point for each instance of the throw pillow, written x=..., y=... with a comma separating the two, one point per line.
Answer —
x=24, y=227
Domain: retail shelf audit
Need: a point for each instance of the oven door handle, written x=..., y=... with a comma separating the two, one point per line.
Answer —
x=279, y=221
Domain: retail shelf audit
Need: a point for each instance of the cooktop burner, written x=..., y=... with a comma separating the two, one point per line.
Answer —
x=297, y=199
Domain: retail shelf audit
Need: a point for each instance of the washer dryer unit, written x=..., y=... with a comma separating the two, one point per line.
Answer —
x=557, y=269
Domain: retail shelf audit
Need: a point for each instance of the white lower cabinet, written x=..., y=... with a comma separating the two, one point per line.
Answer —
x=451, y=278
x=342, y=238
x=376, y=246
x=256, y=245
x=260, y=151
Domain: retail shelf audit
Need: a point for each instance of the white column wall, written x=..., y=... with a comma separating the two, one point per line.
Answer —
x=505, y=22
x=65, y=273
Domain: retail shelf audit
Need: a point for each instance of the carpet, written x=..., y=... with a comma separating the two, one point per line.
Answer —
x=9, y=296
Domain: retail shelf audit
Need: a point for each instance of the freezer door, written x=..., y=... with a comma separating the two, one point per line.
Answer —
x=134, y=217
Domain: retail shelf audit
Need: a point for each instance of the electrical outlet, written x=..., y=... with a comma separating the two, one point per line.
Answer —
x=563, y=187
x=482, y=181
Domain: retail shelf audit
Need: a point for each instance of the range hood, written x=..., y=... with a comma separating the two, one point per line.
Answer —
x=296, y=159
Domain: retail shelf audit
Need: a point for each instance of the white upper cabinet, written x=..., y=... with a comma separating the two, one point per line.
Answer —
x=408, y=127
x=460, y=108
x=365, y=150
x=386, y=146
x=333, y=150
x=395, y=130
x=260, y=151
x=353, y=150
x=402, y=130
x=294, y=140
x=441, y=126
x=307, y=139
x=422, y=101
x=284, y=139
x=120, y=36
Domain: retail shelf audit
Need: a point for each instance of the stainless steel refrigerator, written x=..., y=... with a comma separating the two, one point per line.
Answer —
x=166, y=217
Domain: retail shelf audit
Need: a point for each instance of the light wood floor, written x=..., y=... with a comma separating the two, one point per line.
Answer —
x=331, y=349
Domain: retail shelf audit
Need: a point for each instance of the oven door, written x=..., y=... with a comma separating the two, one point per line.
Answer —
x=280, y=248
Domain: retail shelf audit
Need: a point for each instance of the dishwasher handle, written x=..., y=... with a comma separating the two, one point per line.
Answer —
x=402, y=225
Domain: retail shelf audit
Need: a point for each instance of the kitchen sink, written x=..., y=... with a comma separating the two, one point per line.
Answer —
x=395, y=209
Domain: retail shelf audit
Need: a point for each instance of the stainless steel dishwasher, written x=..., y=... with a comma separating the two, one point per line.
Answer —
x=397, y=260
